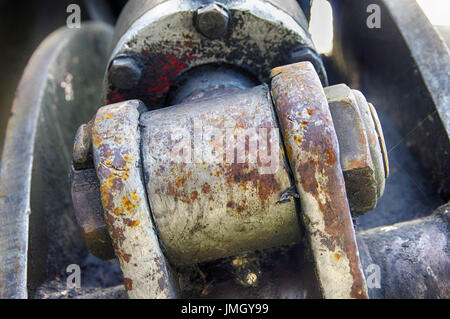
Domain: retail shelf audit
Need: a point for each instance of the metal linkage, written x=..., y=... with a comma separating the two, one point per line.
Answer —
x=313, y=152
x=116, y=149
x=219, y=182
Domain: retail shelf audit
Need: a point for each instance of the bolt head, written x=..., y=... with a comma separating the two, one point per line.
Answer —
x=355, y=150
x=212, y=20
x=125, y=73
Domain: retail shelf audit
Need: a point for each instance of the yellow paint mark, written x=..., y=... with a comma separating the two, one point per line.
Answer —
x=298, y=139
x=127, y=204
x=117, y=211
x=129, y=159
x=97, y=141
x=135, y=223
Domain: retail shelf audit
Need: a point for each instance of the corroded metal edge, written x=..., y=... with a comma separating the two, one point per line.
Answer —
x=376, y=142
x=381, y=140
x=116, y=148
x=313, y=152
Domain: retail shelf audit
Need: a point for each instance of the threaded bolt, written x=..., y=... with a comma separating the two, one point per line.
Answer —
x=125, y=72
x=212, y=20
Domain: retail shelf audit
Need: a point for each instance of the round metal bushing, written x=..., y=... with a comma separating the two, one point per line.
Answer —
x=212, y=20
x=124, y=72
x=361, y=180
x=215, y=176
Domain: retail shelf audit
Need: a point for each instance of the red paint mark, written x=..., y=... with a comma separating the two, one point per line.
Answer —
x=331, y=156
x=128, y=284
x=162, y=71
x=115, y=97
x=165, y=69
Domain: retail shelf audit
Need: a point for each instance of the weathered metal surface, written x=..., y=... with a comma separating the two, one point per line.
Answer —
x=409, y=259
x=381, y=141
x=116, y=148
x=54, y=97
x=313, y=152
x=355, y=155
x=135, y=9
x=89, y=213
x=303, y=54
x=376, y=141
x=215, y=174
x=82, y=147
x=207, y=81
x=168, y=44
x=125, y=71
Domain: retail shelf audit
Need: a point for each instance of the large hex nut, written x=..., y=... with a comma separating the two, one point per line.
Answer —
x=355, y=151
x=376, y=141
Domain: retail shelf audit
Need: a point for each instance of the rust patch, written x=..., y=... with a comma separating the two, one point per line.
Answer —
x=116, y=233
x=128, y=284
x=266, y=185
x=331, y=156
x=180, y=181
x=170, y=189
x=237, y=208
x=194, y=195
x=206, y=188
x=131, y=223
x=127, y=204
